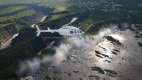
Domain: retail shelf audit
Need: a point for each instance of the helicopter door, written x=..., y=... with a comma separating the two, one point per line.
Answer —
x=71, y=32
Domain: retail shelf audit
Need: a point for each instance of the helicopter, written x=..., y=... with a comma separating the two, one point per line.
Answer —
x=66, y=30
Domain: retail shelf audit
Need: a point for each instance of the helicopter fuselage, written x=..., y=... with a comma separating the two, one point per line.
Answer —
x=65, y=31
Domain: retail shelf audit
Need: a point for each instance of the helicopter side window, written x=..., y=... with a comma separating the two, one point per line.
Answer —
x=71, y=32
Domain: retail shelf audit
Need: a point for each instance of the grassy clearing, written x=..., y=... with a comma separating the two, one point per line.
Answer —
x=8, y=20
x=9, y=10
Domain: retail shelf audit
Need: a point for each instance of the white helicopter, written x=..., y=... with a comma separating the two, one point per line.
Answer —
x=65, y=30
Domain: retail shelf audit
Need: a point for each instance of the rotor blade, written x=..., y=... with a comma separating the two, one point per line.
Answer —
x=32, y=26
x=37, y=28
x=73, y=20
x=43, y=18
x=51, y=44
